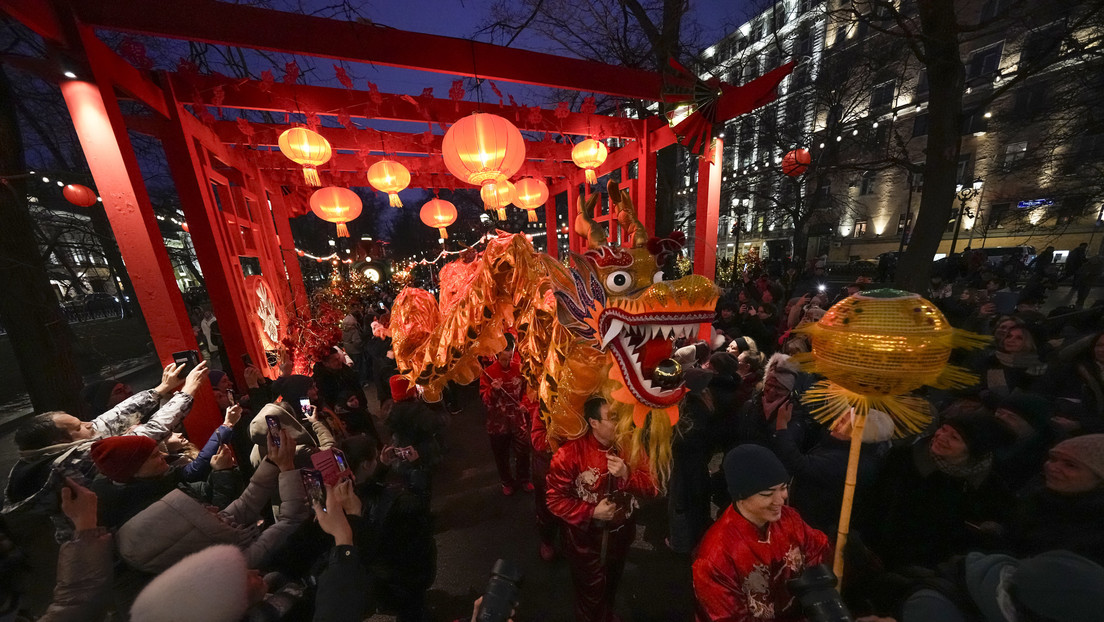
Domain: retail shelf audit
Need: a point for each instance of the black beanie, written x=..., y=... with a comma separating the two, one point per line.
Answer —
x=750, y=469
x=725, y=364
x=982, y=433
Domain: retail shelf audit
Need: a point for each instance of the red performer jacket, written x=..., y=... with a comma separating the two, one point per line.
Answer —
x=507, y=408
x=578, y=480
x=738, y=576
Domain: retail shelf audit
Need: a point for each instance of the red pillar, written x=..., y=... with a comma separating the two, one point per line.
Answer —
x=708, y=211
x=102, y=134
x=575, y=242
x=287, y=249
x=646, y=189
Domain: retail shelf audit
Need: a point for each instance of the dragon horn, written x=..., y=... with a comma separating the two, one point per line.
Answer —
x=626, y=215
x=586, y=226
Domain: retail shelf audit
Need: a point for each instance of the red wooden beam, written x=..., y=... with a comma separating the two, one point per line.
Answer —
x=36, y=15
x=122, y=73
x=283, y=98
x=253, y=27
x=418, y=166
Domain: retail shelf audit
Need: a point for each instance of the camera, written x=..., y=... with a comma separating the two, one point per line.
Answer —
x=815, y=589
x=502, y=592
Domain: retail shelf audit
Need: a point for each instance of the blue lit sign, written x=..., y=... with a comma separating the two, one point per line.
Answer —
x=1032, y=204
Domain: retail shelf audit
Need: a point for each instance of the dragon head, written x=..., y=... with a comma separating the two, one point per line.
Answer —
x=617, y=297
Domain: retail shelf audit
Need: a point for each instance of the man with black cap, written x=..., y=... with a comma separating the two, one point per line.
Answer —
x=756, y=546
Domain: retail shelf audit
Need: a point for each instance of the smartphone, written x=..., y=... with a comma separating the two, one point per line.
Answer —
x=305, y=406
x=230, y=396
x=315, y=486
x=273, y=422
x=247, y=360
x=332, y=464
x=188, y=358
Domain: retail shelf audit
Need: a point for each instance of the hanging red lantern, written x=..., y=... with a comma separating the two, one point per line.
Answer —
x=306, y=148
x=532, y=193
x=81, y=196
x=438, y=213
x=589, y=155
x=337, y=205
x=497, y=195
x=482, y=148
x=796, y=162
x=389, y=176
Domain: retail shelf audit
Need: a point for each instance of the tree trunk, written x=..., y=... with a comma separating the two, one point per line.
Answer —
x=946, y=79
x=39, y=334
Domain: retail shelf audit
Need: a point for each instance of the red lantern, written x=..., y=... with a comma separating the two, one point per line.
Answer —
x=389, y=176
x=497, y=195
x=589, y=155
x=337, y=205
x=531, y=194
x=307, y=148
x=482, y=148
x=81, y=196
x=796, y=162
x=438, y=213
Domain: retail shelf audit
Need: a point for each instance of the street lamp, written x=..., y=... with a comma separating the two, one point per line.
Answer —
x=964, y=194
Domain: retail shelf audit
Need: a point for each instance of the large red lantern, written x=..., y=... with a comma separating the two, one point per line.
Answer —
x=438, y=213
x=389, y=176
x=498, y=195
x=81, y=196
x=481, y=148
x=589, y=155
x=307, y=148
x=531, y=194
x=796, y=162
x=337, y=205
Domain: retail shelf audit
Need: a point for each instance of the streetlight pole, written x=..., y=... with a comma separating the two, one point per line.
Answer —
x=964, y=194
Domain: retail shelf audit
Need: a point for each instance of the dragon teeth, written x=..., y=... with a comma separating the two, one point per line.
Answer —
x=613, y=331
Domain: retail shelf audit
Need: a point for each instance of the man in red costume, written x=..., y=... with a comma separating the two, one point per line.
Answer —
x=594, y=492
x=756, y=546
x=503, y=391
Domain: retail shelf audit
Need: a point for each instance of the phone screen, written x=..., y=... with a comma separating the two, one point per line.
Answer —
x=305, y=405
x=230, y=396
x=339, y=458
x=273, y=422
x=315, y=487
x=188, y=358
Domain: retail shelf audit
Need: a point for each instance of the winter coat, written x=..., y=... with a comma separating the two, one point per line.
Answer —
x=343, y=588
x=85, y=572
x=177, y=525
x=1046, y=520
x=119, y=503
x=34, y=480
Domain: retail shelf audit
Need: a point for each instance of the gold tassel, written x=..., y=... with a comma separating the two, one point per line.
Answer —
x=443, y=232
x=395, y=200
x=591, y=176
x=310, y=174
x=502, y=213
x=342, y=230
x=532, y=215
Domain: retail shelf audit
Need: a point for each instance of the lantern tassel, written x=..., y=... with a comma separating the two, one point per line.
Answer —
x=395, y=200
x=443, y=232
x=342, y=230
x=591, y=176
x=502, y=213
x=310, y=174
x=532, y=215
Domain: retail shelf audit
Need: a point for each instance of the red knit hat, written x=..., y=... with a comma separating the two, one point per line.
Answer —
x=120, y=457
x=402, y=389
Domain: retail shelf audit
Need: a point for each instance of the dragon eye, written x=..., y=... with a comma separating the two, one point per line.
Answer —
x=619, y=281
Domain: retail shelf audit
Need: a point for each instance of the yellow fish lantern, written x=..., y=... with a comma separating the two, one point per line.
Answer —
x=875, y=347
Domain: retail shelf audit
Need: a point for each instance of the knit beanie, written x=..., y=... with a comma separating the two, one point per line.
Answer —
x=982, y=433
x=725, y=364
x=1060, y=585
x=215, y=376
x=120, y=457
x=294, y=387
x=211, y=585
x=750, y=469
x=402, y=389
x=785, y=370
x=1087, y=449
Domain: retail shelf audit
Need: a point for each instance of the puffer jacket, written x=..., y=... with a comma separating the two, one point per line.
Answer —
x=33, y=481
x=258, y=431
x=84, y=576
x=177, y=525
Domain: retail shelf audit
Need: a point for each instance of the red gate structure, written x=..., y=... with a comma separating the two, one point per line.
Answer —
x=230, y=182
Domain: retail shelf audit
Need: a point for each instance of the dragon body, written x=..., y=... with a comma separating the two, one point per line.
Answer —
x=606, y=326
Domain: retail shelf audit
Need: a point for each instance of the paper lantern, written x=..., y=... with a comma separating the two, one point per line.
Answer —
x=480, y=148
x=532, y=193
x=589, y=155
x=438, y=213
x=337, y=205
x=497, y=195
x=796, y=162
x=81, y=196
x=389, y=176
x=307, y=148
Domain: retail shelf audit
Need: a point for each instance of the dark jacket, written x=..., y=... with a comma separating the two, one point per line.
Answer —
x=1046, y=520
x=343, y=587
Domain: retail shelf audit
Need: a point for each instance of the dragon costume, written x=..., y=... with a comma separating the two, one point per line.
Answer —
x=605, y=325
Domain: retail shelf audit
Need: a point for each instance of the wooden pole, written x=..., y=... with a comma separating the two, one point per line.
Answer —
x=858, y=422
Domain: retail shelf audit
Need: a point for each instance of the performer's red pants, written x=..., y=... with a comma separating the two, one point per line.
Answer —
x=595, y=583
